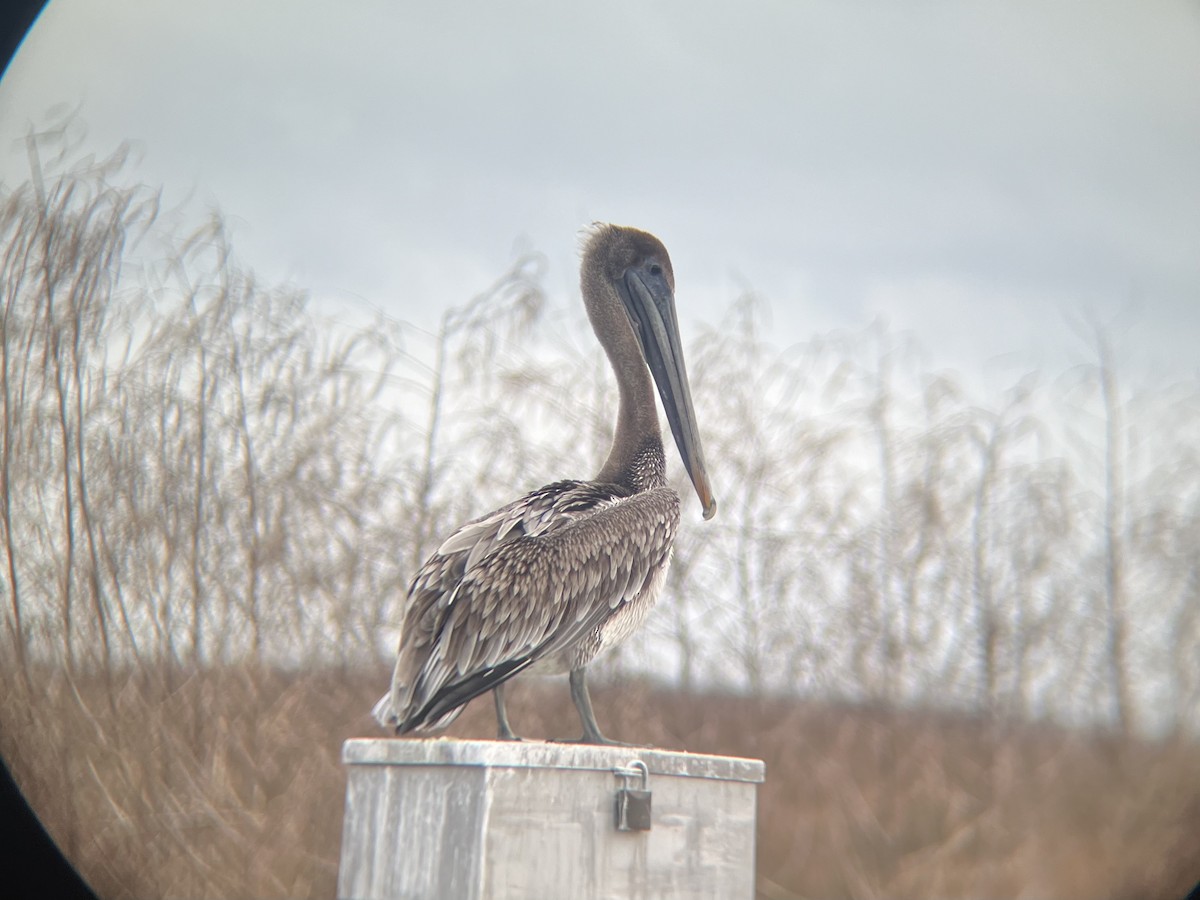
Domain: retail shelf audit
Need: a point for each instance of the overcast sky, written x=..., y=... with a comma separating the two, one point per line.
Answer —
x=973, y=172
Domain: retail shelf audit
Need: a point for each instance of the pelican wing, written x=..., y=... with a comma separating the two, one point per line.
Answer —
x=525, y=582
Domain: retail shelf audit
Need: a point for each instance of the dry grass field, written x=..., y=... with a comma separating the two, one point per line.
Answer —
x=227, y=783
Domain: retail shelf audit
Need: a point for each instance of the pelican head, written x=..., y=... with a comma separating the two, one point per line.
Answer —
x=629, y=289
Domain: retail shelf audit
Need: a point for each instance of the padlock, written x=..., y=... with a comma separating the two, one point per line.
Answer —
x=633, y=806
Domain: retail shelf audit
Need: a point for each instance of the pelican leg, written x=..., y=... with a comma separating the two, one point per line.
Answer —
x=583, y=703
x=504, y=731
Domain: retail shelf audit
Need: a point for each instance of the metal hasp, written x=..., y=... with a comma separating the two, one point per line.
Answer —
x=482, y=820
x=633, y=806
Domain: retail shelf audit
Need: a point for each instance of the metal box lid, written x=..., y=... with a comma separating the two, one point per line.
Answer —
x=545, y=755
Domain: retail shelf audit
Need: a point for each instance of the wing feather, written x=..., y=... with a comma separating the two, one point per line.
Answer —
x=525, y=582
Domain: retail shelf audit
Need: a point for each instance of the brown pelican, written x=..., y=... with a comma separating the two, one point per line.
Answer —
x=546, y=583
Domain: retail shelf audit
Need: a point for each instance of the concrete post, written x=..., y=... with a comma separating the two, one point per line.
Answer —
x=484, y=820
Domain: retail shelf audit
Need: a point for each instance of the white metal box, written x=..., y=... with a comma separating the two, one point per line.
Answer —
x=485, y=820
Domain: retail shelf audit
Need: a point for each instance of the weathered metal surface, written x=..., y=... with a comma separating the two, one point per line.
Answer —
x=483, y=820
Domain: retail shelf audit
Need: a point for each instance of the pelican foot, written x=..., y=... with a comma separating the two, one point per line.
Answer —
x=587, y=717
x=504, y=730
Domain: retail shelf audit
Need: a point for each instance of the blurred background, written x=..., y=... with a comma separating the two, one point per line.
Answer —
x=288, y=292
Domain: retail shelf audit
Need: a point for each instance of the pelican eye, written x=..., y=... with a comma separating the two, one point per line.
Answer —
x=655, y=269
